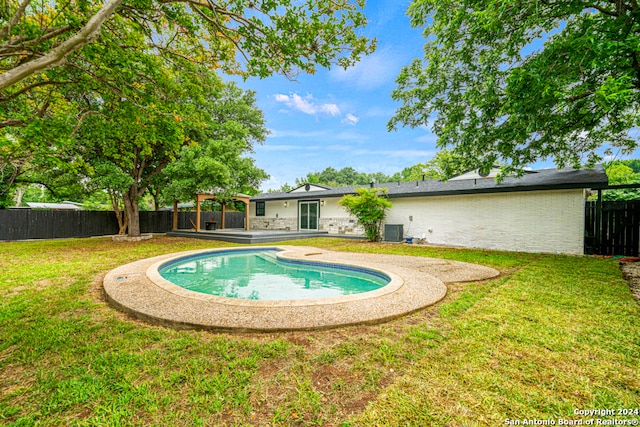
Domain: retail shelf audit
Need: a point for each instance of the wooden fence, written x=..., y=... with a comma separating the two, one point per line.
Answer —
x=612, y=228
x=24, y=224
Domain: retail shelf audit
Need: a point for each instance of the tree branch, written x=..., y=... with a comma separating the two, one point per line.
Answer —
x=223, y=30
x=16, y=44
x=6, y=30
x=32, y=86
x=12, y=123
x=95, y=76
x=578, y=97
x=636, y=67
x=81, y=119
x=56, y=56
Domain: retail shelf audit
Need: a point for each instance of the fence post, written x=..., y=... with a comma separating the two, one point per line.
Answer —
x=598, y=236
x=175, y=214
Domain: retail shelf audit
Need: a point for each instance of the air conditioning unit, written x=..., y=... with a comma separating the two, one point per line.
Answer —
x=393, y=232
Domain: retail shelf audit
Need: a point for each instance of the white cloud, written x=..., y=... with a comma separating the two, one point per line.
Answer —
x=350, y=119
x=370, y=72
x=307, y=104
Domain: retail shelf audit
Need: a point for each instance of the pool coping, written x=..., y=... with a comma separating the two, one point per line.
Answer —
x=416, y=283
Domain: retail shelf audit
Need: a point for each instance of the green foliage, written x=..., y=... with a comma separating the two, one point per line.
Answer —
x=7, y=176
x=369, y=207
x=284, y=188
x=126, y=137
x=619, y=172
x=215, y=157
x=344, y=176
x=491, y=94
x=443, y=166
x=133, y=92
x=25, y=156
x=634, y=164
x=243, y=36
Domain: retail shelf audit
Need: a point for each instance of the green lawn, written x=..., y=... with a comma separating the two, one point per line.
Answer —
x=552, y=335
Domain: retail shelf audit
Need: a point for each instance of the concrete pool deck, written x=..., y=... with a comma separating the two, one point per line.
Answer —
x=417, y=282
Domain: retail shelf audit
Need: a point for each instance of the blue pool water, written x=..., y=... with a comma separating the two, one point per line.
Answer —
x=259, y=275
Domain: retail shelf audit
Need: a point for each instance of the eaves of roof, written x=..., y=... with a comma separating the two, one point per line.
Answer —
x=546, y=179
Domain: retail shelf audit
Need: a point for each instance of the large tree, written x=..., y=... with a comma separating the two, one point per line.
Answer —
x=516, y=81
x=133, y=110
x=55, y=70
x=216, y=158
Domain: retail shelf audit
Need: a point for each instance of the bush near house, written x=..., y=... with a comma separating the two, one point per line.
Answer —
x=369, y=207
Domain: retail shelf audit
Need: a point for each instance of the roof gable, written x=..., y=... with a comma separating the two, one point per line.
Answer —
x=476, y=174
x=310, y=187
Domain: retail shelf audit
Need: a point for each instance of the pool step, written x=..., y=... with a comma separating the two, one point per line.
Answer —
x=268, y=256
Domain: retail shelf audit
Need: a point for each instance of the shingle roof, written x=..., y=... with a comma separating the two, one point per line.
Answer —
x=545, y=179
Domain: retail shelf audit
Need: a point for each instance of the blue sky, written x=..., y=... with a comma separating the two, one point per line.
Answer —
x=339, y=117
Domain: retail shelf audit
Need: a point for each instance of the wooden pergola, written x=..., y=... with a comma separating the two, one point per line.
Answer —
x=200, y=197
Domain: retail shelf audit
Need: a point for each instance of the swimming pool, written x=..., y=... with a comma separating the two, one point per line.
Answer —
x=138, y=289
x=262, y=276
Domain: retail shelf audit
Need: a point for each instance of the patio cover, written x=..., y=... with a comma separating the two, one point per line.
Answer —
x=200, y=197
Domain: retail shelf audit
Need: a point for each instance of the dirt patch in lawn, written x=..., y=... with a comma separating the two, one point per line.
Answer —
x=631, y=273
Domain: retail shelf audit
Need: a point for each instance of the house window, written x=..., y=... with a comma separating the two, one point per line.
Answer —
x=259, y=208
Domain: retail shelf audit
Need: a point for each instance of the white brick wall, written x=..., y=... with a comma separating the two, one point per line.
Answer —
x=528, y=221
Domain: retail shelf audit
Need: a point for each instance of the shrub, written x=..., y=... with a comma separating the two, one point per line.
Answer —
x=369, y=207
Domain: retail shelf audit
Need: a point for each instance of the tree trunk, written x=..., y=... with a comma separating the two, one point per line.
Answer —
x=18, y=196
x=122, y=219
x=132, y=212
x=156, y=197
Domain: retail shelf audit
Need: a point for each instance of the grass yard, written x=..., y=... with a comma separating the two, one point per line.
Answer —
x=552, y=335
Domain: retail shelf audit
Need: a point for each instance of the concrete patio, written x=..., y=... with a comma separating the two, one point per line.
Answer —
x=238, y=235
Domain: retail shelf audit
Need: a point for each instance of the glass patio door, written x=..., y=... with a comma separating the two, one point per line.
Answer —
x=308, y=215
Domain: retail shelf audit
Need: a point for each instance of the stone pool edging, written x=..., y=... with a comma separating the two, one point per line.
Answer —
x=138, y=289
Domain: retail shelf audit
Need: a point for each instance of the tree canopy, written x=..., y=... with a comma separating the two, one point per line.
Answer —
x=181, y=130
x=623, y=172
x=246, y=36
x=344, y=176
x=111, y=93
x=216, y=159
x=443, y=166
x=519, y=81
